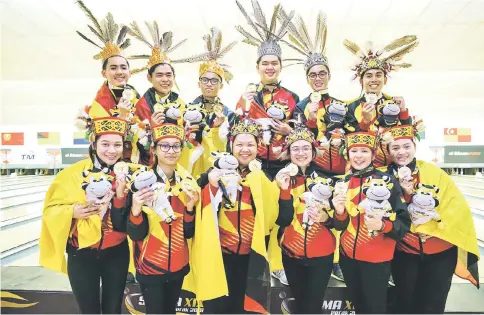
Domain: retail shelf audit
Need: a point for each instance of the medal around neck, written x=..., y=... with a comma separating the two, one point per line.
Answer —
x=315, y=97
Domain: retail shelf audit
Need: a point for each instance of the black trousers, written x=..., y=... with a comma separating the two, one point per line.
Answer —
x=422, y=283
x=367, y=284
x=86, y=269
x=236, y=268
x=308, y=283
x=161, y=298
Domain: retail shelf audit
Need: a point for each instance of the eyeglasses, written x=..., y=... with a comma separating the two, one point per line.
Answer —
x=303, y=149
x=165, y=147
x=214, y=81
x=321, y=75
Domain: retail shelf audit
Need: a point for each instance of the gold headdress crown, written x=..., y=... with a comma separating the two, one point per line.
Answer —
x=213, y=52
x=107, y=31
x=109, y=125
x=266, y=36
x=314, y=51
x=361, y=138
x=298, y=133
x=404, y=132
x=160, y=48
x=370, y=58
x=246, y=125
x=168, y=131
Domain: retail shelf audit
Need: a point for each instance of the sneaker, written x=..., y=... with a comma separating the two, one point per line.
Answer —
x=390, y=281
x=337, y=273
x=130, y=278
x=281, y=276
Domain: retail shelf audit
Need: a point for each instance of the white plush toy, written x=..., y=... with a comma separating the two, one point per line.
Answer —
x=228, y=164
x=98, y=185
x=422, y=207
x=376, y=204
x=320, y=190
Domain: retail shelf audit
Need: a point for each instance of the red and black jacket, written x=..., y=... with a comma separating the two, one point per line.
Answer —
x=154, y=259
x=355, y=240
x=411, y=242
x=264, y=99
x=317, y=241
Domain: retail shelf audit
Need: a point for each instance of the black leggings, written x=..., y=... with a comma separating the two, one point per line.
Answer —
x=236, y=268
x=86, y=269
x=367, y=284
x=308, y=283
x=423, y=283
x=161, y=298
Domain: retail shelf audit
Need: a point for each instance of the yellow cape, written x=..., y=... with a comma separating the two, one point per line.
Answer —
x=457, y=219
x=57, y=214
x=209, y=274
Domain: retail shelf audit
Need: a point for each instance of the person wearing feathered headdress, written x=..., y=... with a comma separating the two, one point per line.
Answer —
x=323, y=114
x=159, y=104
x=268, y=102
x=85, y=213
x=374, y=110
x=442, y=238
x=244, y=217
x=307, y=244
x=115, y=97
x=378, y=220
x=210, y=116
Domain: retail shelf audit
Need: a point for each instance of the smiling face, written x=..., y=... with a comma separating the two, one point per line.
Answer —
x=269, y=68
x=244, y=148
x=301, y=153
x=162, y=79
x=402, y=151
x=208, y=86
x=373, y=81
x=360, y=157
x=168, y=151
x=318, y=77
x=109, y=148
x=117, y=71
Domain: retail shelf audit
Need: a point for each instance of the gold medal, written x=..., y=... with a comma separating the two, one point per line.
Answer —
x=255, y=165
x=292, y=169
x=158, y=107
x=251, y=88
x=315, y=97
x=121, y=168
x=340, y=188
x=218, y=109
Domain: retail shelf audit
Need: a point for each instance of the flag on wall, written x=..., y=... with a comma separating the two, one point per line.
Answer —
x=48, y=138
x=12, y=138
x=79, y=138
x=457, y=134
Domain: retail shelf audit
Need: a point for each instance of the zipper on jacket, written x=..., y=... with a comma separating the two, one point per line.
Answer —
x=169, y=239
x=239, y=197
x=359, y=218
x=169, y=247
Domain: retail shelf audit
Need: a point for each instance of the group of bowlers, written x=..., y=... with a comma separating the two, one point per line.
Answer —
x=201, y=197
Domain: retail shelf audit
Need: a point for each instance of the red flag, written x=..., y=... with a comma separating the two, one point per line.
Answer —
x=12, y=138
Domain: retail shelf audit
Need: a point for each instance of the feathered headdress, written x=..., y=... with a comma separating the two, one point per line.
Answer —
x=108, y=33
x=214, y=52
x=370, y=58
x=403, y=132
x=314, y=51
x=100, y=126
x=160, y=48
x=266, y=36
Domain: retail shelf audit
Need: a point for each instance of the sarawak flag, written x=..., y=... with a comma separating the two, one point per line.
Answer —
x=12, y=138
x=48, y=138
x=457, y=134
